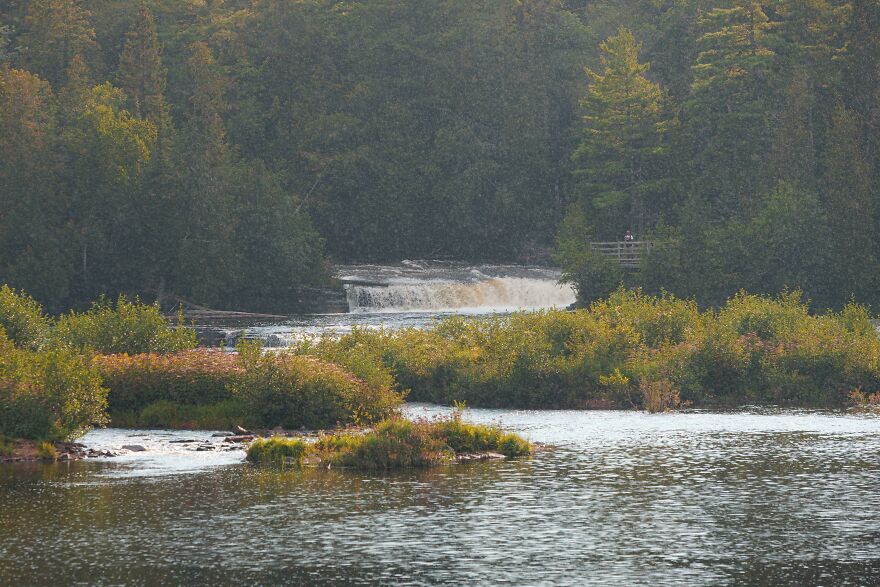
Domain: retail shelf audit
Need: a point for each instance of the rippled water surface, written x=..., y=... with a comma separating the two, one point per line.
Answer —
x=623, y=499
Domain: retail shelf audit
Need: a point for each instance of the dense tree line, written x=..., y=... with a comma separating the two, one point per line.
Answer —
x=752, y=162
x=221, y=150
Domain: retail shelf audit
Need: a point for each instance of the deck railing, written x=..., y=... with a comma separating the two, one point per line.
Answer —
x=628, y=254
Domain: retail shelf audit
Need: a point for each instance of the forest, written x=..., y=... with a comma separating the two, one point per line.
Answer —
x=229, y=151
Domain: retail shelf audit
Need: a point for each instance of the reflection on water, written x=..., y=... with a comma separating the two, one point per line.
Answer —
x=624, y=498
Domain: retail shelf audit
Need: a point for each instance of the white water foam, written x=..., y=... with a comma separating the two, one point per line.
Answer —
x=496, y=294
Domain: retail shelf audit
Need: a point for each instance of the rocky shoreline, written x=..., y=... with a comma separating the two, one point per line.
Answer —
x=32, y=451
x=29, y=451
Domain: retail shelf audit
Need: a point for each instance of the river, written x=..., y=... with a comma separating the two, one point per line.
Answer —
x=765, y=497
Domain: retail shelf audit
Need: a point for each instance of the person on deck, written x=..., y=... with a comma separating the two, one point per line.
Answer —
x=628, y=237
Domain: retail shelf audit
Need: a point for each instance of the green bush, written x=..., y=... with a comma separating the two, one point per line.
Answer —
x=46, y=451
x=123, y=327
x=6, y=446
x=593, y=275
x=357, y=353
x=462, y=437
x=223, y=415
x=193, y=377
x=54, y=394
x=22, y=318
x=277, y=451
x=633, y=350
x=394, y=444
x=294, y=391
x=208, y=389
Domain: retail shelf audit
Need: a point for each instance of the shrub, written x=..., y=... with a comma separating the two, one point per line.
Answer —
x=294, y=391
x=46, y=451
x=126, y=327
x=862, y=401
x=770, y=319
x=277, y=451
x=193, y=377
x=53, y=394
x=593, y=275
x=394, y=444
x=208, y=389
x=659, y=320
x=222, y=415
x=359, y=353
x=7, y=447
x=618, y=351
x=659, y=396
x=22, y=318
x=463, y=437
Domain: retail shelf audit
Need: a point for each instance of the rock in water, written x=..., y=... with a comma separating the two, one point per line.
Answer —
x=133, y=447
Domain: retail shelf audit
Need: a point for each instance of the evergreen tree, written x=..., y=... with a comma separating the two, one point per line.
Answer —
x=625, y=122
x=727, y=112
x=851, y=210
x=792, y=157
x=862, y=66
x=55, y=31
x=205, y=229
x=33, y=253
x=140, y=71
x=73, y=94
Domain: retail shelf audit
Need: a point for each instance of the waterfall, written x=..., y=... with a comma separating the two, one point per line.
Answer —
x=490, y=294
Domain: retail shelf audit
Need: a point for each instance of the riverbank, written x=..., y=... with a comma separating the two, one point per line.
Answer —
x=20, y=450
x=631, y=351
x=127, y=362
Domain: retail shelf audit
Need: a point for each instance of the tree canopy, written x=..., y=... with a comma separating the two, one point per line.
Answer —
x=225, y=152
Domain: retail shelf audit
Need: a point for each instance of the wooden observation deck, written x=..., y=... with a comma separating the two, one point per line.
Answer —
x=628, y=254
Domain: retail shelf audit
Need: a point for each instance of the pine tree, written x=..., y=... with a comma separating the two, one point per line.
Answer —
x=792, y=157
x=33, y=253
x=624, y=126
x=727, y=110
x=141, y=76
x=73, y=94
x=862, y=66
x=205, y=229
x=850, y=207
x=55, y=31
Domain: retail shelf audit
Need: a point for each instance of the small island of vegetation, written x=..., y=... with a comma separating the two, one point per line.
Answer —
x=395, y=443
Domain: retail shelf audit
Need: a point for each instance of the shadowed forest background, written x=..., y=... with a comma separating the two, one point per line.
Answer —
x=227, y=151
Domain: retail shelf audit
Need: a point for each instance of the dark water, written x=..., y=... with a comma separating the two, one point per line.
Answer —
x=778, y=498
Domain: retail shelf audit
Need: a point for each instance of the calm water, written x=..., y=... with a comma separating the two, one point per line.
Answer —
x=624, y=498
